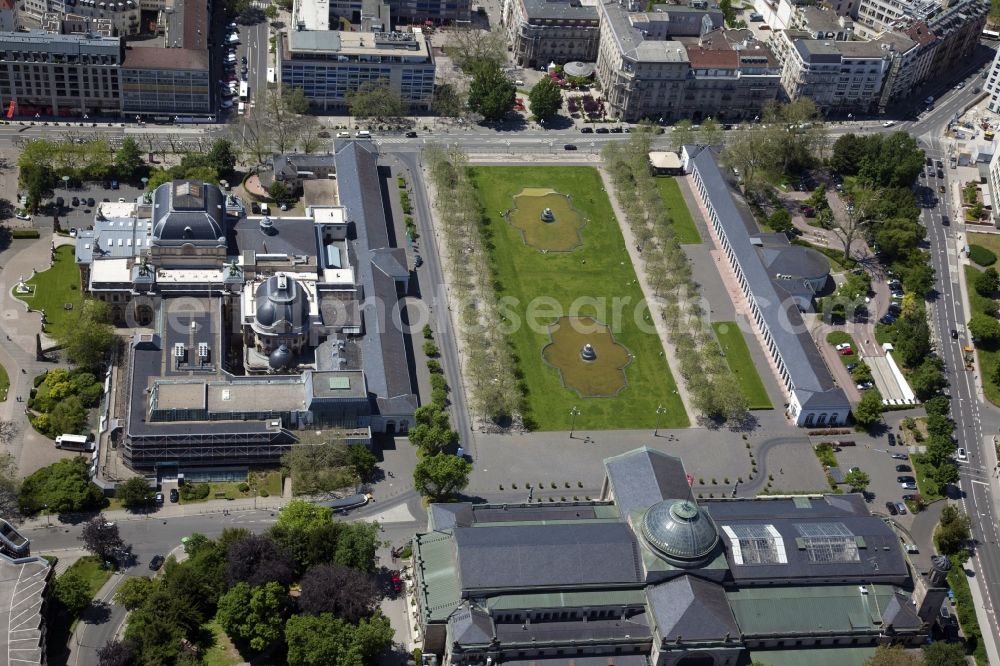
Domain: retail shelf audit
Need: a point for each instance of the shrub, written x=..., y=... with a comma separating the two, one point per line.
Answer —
x=264, y=493
x=244, y=487
x=428, y=333
x=25, y=233
x=981, y=255
x=430, y=349
x=434, y=367
x=195, y=491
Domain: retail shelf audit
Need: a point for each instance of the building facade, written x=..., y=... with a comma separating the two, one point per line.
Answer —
x=60, y=75
x=650, y=576
x=544, y=31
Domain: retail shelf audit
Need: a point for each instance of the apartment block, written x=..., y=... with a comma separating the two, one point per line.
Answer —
x=329, y=65
x=60, y=75
x=544, y=31
x=676, y=62
x=355, y=12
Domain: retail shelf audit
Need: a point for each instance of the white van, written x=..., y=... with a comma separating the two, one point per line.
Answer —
x=241, y=108
x=962, y=455
x=363, y=134
x=74, y=443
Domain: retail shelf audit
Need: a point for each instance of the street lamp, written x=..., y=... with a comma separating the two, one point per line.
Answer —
x=660, y=411
x=65, y=180
x=144, y=180
x=48, y=518
x=573, y=413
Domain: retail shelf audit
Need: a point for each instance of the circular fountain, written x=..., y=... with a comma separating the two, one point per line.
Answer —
x=548, y=215
x=588, y=353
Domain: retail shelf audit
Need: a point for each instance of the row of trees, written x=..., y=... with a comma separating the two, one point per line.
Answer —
x=218, y=162
x=243, y=580
x=494, y=391
x=279, y=123
x=713, y=387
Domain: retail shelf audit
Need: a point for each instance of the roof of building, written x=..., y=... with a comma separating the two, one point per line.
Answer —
x=818, y=19
x=154, y=58
x=511, y=557
x=810, y=378
x=22, y=591
x=920, y=33
x=845, y=656
x=185, y=211
x=643, y=477
x=556, y=10
x=630, y=40
x=290, y=165
x=470, y=626
x=281, y=304
x=794, y=261
x=115, y=238
x=664, y=159
x=680, y=531
x=692, y=608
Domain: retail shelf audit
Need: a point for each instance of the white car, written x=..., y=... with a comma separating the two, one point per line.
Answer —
x=343, y=135
x=121, y=199
x=962, y=454
x=843, y=345
x=22, y=216
x=889, y=123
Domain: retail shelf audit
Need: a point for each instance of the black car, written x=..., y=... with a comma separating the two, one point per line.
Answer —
x=954, y=334
x=418, y=261
x=945, y=221
x=411, y=135
x=174, y=495
x=891, y=508
x=60, y=202
x=903, y=468
x=76, y=201
x=892, y=439
x=156, y=562
x=602, y=130
x=905, y=479
x=586, y=130
x=243, y=60
x=91, y=202
x=616, y=130
x=254, y=207
x=569, y=146
x=940, y=172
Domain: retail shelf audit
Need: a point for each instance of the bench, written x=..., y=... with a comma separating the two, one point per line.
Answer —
x=220, y=495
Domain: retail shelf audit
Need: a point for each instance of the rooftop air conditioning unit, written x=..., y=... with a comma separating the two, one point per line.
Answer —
x=179, y=350
x=202, y=350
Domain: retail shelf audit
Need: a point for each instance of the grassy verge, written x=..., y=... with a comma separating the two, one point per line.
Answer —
x=990, y=241
x=596, y=279
x=54, y=288
x=268, y=484
x=959, y=583
x=826, y=454
x=840, y=337
x=684, y=226
x=58, y=633
x=987, y=359
x=4, y=383
x=920, y=472
x=837, y=262
x=734, y=346
x=222, y=652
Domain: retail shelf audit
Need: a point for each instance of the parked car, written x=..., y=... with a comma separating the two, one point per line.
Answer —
x=909, y=485
x=906, y=478
x=411, y=135
x=22, y=216
x=156, y=562
x=892, y=439
x=899, y=456
x=418, y=261
x=158, y=498
x=343, y=135
x=842, y=346
x=397, y=581
x=864, y=386
x=616, y=130
x=283, y=206
x=846, y=351
x=72, y=232
x=889, y=123
x=255, y=207
x=603, y=130
x=891, y=508
x=850, y=366
x=586, y=130
x=569, y=146
x=91, y=202
x=902, y=510
x=174, y=495
x=75, y=201
x=903, y=468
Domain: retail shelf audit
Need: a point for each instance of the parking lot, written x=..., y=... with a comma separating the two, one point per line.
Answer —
x=81, y=216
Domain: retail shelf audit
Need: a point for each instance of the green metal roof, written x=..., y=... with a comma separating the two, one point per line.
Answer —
x=809, y=610
x=506, y=523
x=854, y=656
x=437, y=574
x=567, y=600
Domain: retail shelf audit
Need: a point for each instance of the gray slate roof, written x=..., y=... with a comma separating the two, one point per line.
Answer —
x=470, y=626
x=641, y=478
x=691, y=608
x=524, y=556
x=187, y=210
x=810, y=378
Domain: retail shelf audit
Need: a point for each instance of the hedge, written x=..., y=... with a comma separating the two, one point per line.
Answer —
x=25, y=233
x=981, y=255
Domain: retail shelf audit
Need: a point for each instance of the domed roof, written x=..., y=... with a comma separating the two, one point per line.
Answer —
x=282, y=306
x=281, y=357
x=680, y=531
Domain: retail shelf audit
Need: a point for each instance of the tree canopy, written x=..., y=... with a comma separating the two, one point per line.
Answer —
x=491, y=93
x=953, y=531
x=135, y=493
x=64, y=486
x=318, y=640
x=257, y=559
x=102, y=538
x=545, y=99
x=858, y=480
x=375, y=99
x=128, y=159
x=88, y=337
x=440, y=476
x=345, y=592
x=308, y=533
x=869, y=409
x=432, y=432
x=255, y=615
x=985, y=330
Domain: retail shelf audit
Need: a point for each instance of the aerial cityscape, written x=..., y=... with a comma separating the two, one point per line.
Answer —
x=530, y=332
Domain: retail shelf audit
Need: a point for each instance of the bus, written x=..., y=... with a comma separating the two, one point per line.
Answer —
x=74, y=443
x=991, y=34
x=244, y=91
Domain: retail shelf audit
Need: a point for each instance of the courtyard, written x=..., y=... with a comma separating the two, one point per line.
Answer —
x=595, y=280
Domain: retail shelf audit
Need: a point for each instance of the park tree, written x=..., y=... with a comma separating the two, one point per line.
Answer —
x=682, y=134
x=447, y=100
x=545, y=99
x=116, y=653
x=942, y=653
x=67, y=416
x=375, y=99
x=918, y=275
x=257, y=559
x=318, y=640
x=944, y=474
x=792, y=134
x=491, y=93
x=856, y=216
x=940, y=450
x=892, y=655
x=10, y=487
x=255, y=615
x=128, y=159
x=279, y=191
x=222, y=157
x=938, y=405
x=469, y=48
x=985, y=330
x=362, y=460
x=711, y=133
x=869, y=409
x=928, y=379
x=133, y=592
x=64, y=487
x=953, y=531
x=912, y=339
x=988, y=282
x=71, y=594
x=440, y=476
x=892, y=160
x=101, y=538
x=158, y=627
x=346, y=592
x=135, y=493
x=746, y=152
x=38, y=182
x=319, y=464
x=780, y=220
x=432, y=432
x=857, y=480
x=88, y=336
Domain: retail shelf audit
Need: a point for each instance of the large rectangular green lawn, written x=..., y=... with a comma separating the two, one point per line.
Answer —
x=54, y=288
x=684, y=226
x=599, y=269
x=734, y=346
